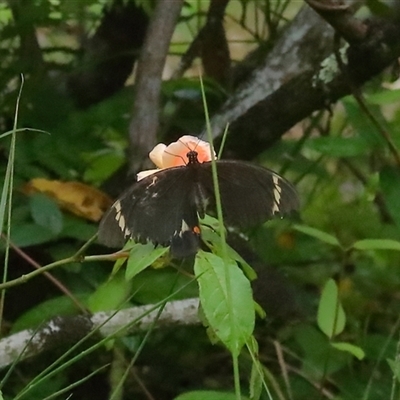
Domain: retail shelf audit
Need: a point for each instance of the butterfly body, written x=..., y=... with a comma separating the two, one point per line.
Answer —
x=165, y=207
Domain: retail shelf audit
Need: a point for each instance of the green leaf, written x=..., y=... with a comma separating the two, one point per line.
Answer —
x=103, y=166
x=110, y=295
x=25, y=235
x=395, y=367
x=377, y=244
x=232, y=323
x=256, y=380
x=361, y=124
x=316, y=350
x=318, y=234
x=208, y=395
x=356, y=351
x=211, y=237
x=141, y=256
x=45, y=212
x=77, y=228
x=152, y=286
x=339, y=146
x=389, y=179
x=331, y=317
x=384, y=97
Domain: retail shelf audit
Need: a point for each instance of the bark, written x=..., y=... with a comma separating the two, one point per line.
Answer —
x=299, y=78
x=109, y=55
x=69, y=330
x=145, y=119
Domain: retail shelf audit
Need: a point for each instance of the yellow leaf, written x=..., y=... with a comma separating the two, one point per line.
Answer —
x=75, y=197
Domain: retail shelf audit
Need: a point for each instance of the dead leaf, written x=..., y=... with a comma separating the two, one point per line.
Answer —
x=75, y=197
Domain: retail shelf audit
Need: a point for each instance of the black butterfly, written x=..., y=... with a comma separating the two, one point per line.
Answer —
x=164, y=208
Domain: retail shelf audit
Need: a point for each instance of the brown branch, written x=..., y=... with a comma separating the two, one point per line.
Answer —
x=300, y=49
x=211, y=45
x=108, y=56
x=30, y=53
x=145, y=117
x=340, y=17
x=256, y=123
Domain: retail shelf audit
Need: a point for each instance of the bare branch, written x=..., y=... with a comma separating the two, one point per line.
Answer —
x=56, y=332
x=291, y=85
x=145, y=117
x=340, y=17
x=108, y=56
x=210, y=44
x=304, y=44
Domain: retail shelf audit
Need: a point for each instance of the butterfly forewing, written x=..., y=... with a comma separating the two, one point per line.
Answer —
x=155, y=209
x=249, y=194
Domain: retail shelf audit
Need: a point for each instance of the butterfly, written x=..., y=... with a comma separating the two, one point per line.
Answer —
x=164, y=207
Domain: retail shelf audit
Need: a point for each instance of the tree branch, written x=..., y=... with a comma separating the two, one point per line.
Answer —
x=304, y=44
x=145, y=117
x=108, y=56
x=285, y=91
x=69, y=330
x=340, y=17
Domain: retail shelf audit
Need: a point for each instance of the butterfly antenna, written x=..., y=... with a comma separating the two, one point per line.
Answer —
x=177, y=155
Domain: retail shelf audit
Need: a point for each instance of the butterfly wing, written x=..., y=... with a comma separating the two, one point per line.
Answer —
x=159, y=208
x=250, y=194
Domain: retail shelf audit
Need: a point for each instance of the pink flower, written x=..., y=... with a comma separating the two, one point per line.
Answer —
x=175, y=154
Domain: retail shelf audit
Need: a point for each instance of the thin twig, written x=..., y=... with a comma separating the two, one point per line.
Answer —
x=55, y=281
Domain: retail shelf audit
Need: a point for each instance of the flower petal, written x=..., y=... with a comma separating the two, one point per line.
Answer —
x=156, y=155
x=176, y=153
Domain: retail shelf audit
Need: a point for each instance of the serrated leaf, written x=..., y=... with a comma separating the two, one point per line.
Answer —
x=356, y=351
x=212, y=237
x=377, y=244
x=318, y=234
x=46, y=213
x=331, y=317
x=232, y=323
x=142, y=256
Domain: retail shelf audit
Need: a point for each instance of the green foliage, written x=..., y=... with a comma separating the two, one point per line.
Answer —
x=142, y=256
x=389, y=179
x=231, y=318
x=208, y=395
x=111, y=295
x=331, y=317
x=341, y=258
